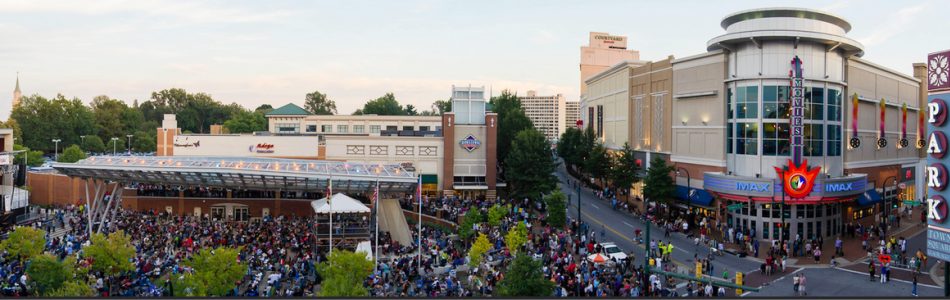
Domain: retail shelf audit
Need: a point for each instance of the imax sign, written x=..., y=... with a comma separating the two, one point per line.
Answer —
x=753, y=187
x=839, y=187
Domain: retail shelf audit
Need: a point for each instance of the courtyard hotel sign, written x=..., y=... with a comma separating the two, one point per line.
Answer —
x=938, y=229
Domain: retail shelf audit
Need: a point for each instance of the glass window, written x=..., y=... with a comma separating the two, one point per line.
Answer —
x=374, y=128
x=341, y=128
x=814, y=137
x=834, y=105
x=407, y=128
x=814, y=103
x=423, y=128
x=746, y=138
x=326, y=128
x=392, y=128
x=747, y=105
x=765, y=231
x=358, y=128
x=834, y=140
x=775, y=139
x=729, y=102
x=288, y=127
x=729, y=137
x=311, y=128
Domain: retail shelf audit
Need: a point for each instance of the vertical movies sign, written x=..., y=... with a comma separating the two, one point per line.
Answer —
x=938, y=229
x=798, y=110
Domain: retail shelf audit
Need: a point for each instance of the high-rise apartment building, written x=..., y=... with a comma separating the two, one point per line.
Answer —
x=572, y=113
x=547, y=113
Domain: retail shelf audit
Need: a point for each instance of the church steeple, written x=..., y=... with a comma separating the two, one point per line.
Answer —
x=16, y=92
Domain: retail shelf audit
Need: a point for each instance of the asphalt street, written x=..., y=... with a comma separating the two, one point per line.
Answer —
x=619, y=227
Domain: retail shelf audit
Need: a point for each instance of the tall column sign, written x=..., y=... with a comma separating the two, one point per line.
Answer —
x=797, y=179
x=938, y=229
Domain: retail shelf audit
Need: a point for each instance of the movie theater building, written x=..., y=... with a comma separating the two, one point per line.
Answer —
x=781, y=87
x=454, y=153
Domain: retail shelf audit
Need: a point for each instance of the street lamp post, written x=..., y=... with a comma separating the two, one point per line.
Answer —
x=688, y=187
x=82, y=143
x=114, y=141
x=130, y=143
x=886, y=209
x=56, y=149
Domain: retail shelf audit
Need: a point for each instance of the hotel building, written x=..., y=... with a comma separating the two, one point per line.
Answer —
x=547, y=113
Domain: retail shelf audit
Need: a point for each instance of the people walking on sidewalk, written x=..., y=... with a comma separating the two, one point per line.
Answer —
x=871, y=271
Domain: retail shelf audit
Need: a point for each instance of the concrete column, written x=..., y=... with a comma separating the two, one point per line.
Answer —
x=181, y=203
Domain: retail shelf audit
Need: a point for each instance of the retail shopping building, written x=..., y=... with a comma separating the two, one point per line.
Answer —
x=780, y=87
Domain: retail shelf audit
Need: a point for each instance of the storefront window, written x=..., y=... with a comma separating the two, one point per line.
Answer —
x=834, y=140
x=729, y=103
x=729, y=137
x=814, y=138
x=746, y=136
x=814, y=103
x=775, y=139
x=834, y=105
x=747, y=102
x=765, y=231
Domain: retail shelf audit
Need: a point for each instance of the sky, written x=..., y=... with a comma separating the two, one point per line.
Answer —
x=275, y=52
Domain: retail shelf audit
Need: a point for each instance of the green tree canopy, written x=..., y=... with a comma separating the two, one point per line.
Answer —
x=109, y=116
x=246, y=122
x=556, y=208
x=597, y=164
x=478, y=249
x=72, y=289
x=496, y=213
x=194, y=112
x=264, y=108
x=511, y=121
x=93, y=143
x=44, y=119
x=472, y=216
x=625, y=169
x=317, y=103
x=516, y=237
x=144, y=141
x=658, y=184
x=534, y=171
x=524, y=278
x=17, y=131
x=111, y=255
x=216, y=272
x=384, y=106
x=569, y=146
x=47, y=273
x=343, y=274
x=34, y=158
x=442, y=106
x=24, y=242
x=72, y=154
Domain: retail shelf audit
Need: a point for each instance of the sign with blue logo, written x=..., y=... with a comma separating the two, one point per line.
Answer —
x=470, y=143
x=761, y=187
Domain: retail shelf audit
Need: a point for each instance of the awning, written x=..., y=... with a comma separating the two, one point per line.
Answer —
x=365, y=246
x=341, y=204
x=869, y=197
x=698, y=197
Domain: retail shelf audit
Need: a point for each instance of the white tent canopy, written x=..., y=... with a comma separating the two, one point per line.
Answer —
x=341, y=204
x=367, y=247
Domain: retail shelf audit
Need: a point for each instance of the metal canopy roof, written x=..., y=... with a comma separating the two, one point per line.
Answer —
x=243, y=172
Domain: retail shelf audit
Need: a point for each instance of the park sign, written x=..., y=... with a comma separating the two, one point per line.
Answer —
x=938, y=227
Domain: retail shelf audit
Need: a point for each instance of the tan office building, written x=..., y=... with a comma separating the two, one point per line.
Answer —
x=602, y=52
x=547, y=113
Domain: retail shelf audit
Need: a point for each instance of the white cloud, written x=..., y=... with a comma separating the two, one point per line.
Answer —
x=895, y=24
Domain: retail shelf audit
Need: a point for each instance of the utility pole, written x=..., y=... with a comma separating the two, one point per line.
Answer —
x=130, y=143
x=114, y=141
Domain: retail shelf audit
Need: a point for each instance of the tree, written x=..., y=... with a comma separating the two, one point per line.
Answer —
x=34, y=158
x=246, y=122
x=48, y=273
x=317, y=103
x=516, y=237
x=525, y=279
x=569, y=146
x=24, y=242
x=442, y=106
x=72, y=289
x=383, y=106
x=264, y=108
x=93, y=143
x=532, y=165
x=511, y=121
x=194, y=112
x=472, y=217
x=658, y=184
x=109, y=116
x=216, y=272
x=44, y=119
x=144, y=141
x=111, y=255
x=17, y=132
x=496, y=213
x=597, y=164
x=556, y=208
x=343, y=274
x=478, y=250
x=410, y=110
x=72, y=154
x=625, y=169
x=118, y=145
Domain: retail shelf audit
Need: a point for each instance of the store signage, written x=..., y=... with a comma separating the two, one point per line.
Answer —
x=938, y=231
x=798, y=109
x=186, y=143
x=470, y=143
x=907, y=174
x=752, y=186
x=261, y=148
x=6, y=159
x=798, y=180
x=839, y=187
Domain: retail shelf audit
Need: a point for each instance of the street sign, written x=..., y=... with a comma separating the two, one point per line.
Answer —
x=736, y=206
x=911, y=202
